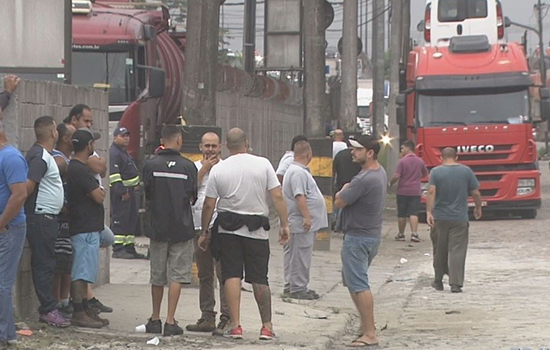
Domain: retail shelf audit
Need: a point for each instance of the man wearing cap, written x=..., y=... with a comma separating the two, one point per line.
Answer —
x=85, y=203
x=362, y=201
x=123, y=180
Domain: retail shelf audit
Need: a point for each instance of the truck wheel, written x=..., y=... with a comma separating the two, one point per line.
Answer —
x=529, y=214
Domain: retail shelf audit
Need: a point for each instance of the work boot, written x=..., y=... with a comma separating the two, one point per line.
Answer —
x=223, y=326
x=456, y=288
x=131, y=249
x=81, y=319
x=94, y=316
x=122, y=254
x=153, y=326
x=437, y=285
x=96, y=304
x=302, y=295
x=202, y=325
x=172, y=329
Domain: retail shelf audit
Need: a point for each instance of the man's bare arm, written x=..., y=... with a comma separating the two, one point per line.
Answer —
x=338, y=201
x=394, y=179
x=98, y=195
x=477, y=200
x=280, y=205
x=430, y=200
x=98, y=165
x=15, y=202
x=207, y=212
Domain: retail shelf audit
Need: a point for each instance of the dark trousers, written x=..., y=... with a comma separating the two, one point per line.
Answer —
x=207, y=265
x=124, y=218
x=450, y=244
x=42, y=234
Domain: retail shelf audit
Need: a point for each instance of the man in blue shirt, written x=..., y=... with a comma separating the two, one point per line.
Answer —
x=13, y=228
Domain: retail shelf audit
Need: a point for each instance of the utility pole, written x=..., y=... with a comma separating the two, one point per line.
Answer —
x=314, y=57
x=249, y=42
x=348, y=104
x=378, y=28
x=366, y=45
x=542, y=60
x=396, y=37
x=201, y=59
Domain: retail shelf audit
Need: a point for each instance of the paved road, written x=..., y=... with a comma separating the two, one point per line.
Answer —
x=504, y=305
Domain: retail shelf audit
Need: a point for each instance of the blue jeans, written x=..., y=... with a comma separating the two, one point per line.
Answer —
x=11, y=246
x=85, y=256
x=357, y=255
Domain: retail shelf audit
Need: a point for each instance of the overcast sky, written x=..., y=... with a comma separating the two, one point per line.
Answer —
x=233, y=12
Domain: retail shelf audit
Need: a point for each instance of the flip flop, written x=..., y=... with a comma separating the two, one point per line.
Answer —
x=362, y=344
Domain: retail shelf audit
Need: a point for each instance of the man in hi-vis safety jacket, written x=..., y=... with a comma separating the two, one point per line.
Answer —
x=123, y=180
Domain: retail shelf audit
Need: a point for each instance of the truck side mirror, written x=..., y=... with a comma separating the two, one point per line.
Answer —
x=157, y=82
x=401, y=114
x=401, y=99
x=507, y=22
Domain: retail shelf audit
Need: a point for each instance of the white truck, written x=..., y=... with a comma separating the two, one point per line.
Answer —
x=445, y=19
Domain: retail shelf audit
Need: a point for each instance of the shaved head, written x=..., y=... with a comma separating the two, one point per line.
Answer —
x=210, y=137
x=338, y=135
x=448, y=153
x=236, y=139
x=301, y=148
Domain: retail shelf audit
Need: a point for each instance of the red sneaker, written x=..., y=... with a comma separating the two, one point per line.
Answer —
x=234, y=333
x=266, y=334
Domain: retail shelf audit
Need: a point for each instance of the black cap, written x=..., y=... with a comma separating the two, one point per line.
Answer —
x=366, y=141
x=121, y=131
x=84, y=136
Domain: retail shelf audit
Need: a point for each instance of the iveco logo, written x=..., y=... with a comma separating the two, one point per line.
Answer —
x=475, y=149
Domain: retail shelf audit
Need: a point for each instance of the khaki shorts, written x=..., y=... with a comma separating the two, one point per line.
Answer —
x=171, y=262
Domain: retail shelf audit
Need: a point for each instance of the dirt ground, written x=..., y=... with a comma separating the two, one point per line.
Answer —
x=505, y=304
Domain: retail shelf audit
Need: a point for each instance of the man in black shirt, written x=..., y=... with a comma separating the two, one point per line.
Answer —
x=170, y=189
x=85, y=202
x=344, y=169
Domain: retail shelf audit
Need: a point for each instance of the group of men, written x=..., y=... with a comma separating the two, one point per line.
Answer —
x=216, y=210
x=53, y=197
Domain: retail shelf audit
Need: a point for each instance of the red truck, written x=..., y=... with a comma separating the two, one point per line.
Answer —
x=475, y=97
x=128, y=50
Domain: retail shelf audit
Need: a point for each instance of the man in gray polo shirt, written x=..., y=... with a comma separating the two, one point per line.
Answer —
x=306, y=215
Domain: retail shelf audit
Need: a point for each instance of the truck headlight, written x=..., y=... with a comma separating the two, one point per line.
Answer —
x=525, y=187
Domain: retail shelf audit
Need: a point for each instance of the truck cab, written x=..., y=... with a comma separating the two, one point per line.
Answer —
x=475, y=96
x=445, y=19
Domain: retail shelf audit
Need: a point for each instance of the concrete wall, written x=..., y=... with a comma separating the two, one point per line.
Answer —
x=269, y=124
x=32, y=100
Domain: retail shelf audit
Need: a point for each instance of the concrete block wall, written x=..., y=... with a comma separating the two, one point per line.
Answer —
x=270, y=125
x=32, y=100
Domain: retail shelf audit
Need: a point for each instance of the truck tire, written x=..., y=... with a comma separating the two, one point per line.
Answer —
x=529, y=213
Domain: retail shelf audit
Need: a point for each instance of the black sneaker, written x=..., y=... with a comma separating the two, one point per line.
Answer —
x=437, y=285
x=302, y=295
x=153, y=326
x=314, y=293
x=94, y=303
x=131, y=249
x=122, y=254
x=172, y=329
x=223, y=326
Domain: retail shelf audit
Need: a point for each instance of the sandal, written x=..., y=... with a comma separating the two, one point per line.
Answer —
x=415, y=238
x=360, y=344
x=400, y=237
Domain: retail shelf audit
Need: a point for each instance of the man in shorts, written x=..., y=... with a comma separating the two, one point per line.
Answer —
x=363, y=202
x=86, y=220
x=410, y=170
x=170, y=190
x=240, y=235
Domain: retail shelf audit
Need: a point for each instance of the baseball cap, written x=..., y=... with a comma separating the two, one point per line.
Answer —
x=366, y=141
x=121, y=131
x=84, y=136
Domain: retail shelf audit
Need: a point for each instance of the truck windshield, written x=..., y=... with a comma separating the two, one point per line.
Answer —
x=111, y=71
x=460, y=10
x=506, y=107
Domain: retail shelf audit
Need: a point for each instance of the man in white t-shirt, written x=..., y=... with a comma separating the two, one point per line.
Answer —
x=210, y=147
x=338, y=143
x=240, y=235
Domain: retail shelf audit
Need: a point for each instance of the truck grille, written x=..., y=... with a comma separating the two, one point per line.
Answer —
x=488, y=193
x=488, y=178
x=500, y=152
